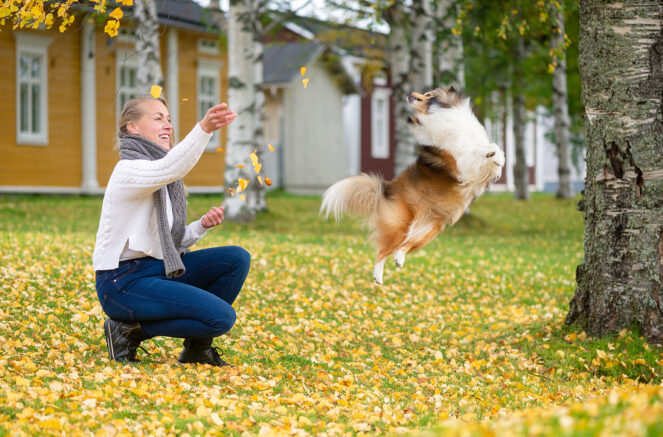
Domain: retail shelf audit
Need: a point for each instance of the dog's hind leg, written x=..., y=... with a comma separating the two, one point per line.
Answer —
x=417, y=237
x=399, y=258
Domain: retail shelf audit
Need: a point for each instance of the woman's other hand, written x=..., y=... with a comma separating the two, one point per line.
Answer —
x=213, y=217
x=217, y=117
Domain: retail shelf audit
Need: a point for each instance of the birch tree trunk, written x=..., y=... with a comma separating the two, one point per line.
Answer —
x=520, y=173
x=242, y=71
x=147, y=45
x=448, y=52
x=561, y=111
x=399, y=68
x=620, y=280
x=421, y=52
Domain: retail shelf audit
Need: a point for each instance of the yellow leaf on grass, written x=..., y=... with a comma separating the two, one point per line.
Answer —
x=305, y=82
x=303, y=70
x=128, y=2
x=242, y=184
x=155, y=91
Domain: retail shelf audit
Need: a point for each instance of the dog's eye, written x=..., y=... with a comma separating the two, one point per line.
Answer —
x=417, y=99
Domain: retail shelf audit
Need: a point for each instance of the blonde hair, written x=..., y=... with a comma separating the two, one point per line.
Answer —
x=132, y=112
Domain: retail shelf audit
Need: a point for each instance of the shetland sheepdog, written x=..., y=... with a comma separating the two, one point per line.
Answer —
x=456, y=162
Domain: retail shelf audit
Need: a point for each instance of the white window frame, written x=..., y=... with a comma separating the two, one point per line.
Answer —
x=208, y=46
x=35, y=46
x=380, y=149
x=209, y=69
x=124, y=59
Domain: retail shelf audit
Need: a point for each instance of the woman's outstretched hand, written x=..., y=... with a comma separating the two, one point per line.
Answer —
x=217, y=117
x=213, y=217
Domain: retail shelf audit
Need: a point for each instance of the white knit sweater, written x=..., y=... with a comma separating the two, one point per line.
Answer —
x=128, y=217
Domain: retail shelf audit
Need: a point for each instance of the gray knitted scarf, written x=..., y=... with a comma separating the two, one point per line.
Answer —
x=137, y=147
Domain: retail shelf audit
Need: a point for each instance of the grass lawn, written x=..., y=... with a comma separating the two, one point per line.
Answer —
x=468, y=338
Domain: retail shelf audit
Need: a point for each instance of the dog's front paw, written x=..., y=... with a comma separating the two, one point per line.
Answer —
x=496, y=155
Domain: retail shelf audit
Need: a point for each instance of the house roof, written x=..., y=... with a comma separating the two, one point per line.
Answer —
x=282, y=61
x=186, y=14
x=352, y=40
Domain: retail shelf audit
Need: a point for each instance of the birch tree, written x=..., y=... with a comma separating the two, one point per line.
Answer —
x=246, y=99
x=620, y=280
x=399, y=58
x=448, y=68
x=560, y=101
x=147, y=45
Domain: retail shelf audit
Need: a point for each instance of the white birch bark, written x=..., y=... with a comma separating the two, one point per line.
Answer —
x=399, y=65
x=422, y=45
x=561, y=112
x=448, y=52
x=147, y=45
x=244, y=52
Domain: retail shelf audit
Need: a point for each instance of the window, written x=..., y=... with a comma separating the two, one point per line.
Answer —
x=208, y=91
x=208, y=46
x=380, y=123
x=31, y=89
x=127, y=81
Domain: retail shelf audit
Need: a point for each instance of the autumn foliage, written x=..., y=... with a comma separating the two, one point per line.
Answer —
x=35, y=13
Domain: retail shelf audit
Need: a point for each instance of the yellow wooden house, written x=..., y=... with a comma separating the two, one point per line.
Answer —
x=62, y=94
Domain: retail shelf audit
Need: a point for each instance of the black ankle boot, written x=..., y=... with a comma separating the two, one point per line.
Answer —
x=201, y=351
x=123, y=339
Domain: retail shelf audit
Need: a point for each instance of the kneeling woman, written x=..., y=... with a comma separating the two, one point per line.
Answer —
x=147, y=280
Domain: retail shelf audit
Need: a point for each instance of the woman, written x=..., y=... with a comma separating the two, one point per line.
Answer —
x=148, y=282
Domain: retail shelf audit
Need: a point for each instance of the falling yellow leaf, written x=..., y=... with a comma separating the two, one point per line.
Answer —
x=257, y=168
x=303, y=70
x=254, y=158
x=241, y=196
x=268, y=181
x=271, y=148
x=242, y=184
x=185, y=99
x=155, y=91
x=240, y=166
x=305, y=82
x=219, y=149
x=260, y=180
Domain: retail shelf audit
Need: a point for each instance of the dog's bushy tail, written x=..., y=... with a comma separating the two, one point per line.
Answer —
x=357, y=194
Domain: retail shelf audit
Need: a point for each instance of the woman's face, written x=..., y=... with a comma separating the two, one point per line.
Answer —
x=154, y=124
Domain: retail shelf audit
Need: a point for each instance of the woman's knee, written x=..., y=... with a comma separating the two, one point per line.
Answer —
x=224, y=321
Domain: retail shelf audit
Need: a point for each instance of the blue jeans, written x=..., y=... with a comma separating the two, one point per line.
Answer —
x=194, y=305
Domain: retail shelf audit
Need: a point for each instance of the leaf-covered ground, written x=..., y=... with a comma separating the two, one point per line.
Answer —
x=468, y=338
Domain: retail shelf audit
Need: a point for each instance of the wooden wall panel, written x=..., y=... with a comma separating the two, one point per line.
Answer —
x=59, y=162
